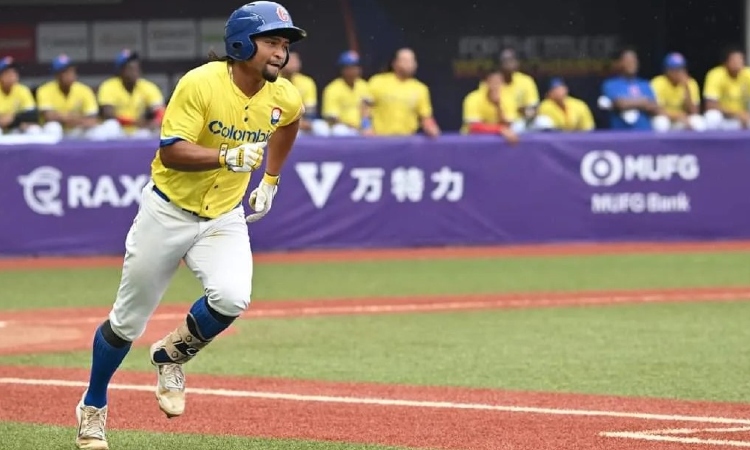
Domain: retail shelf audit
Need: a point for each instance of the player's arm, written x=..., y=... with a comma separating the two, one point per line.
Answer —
x=712, y=93
x=27, y=113
x=424, y=109
x=330, y=110
x=530, y=107
x=279, y=147
x=184, y=118
x=692, y=97
x=155, y=108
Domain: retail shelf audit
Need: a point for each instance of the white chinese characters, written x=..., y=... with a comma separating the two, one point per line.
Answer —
x=407, y=184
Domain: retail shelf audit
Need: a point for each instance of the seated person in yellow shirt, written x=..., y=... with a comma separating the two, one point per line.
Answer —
x=726, y=93
x=559, y=111
x=67, y=106
x=307, y=89
x=18, y=112
x=678, y=95
x=491, y=108
x=346, y=101
x=524, y=89
x=401, y=103
x=134, y=102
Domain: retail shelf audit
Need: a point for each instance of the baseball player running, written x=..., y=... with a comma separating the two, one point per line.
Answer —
x=214, y=133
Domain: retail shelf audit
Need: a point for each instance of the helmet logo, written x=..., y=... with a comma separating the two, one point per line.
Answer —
x=283, y=15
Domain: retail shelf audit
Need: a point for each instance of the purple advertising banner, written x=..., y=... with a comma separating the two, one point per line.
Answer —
x=80, y=197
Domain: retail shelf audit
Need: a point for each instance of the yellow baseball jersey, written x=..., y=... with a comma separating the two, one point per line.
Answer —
x=130, y=105
x=80, y=100
x=344, y=103
x=398, y=105
x=575, y=115
x=209, y=110
x=307, y=89
x=524, y=89
x=477, y=108
x=672, y=97
x=732, y=94
x=19, y=99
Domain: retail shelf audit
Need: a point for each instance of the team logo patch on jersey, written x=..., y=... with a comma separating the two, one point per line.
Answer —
x=275, y=115
x=283, y=15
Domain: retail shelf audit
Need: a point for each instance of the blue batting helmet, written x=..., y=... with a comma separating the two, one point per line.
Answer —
x=254, y=19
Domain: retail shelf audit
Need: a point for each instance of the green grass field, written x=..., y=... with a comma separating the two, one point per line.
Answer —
x=682, y=351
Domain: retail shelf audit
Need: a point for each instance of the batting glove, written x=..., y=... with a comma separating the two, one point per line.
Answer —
x=245, y=158
x=261, y=198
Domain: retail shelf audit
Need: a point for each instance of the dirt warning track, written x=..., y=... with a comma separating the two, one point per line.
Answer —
x=409, y=416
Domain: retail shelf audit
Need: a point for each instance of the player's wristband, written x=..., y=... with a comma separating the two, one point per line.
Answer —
x=223, y=157
x=271, y=179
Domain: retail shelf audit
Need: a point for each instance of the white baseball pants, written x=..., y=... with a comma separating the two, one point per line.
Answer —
x=217, y=251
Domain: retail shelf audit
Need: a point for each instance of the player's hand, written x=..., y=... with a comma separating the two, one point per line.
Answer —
x=245, y=158
x=261, y=198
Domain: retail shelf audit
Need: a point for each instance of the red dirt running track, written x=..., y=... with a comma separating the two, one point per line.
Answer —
x=412, y=253
x=418, y=417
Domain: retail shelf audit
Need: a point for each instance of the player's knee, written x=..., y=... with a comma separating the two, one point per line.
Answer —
x=661, y=124
x=320, y=128
x=697, y=122
x=127, y=327
x=230, y=299
x=543, y=123
x=713, y=119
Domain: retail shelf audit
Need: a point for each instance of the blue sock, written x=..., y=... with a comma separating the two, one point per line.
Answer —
x=208, y=322
x=106, y=358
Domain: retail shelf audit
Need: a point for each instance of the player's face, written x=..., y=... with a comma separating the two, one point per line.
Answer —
x=68, y=76
x=270, y=55
x=629, y=63
x=509, y=64
x=406, y=62
x=9, y=77
x=559, y=93
x=132, y=71
x=494, y=81
x=735, y=62
x=351, y=72
x=676, y=75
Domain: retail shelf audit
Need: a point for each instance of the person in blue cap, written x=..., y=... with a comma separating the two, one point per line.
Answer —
x=346, y=99
x=678, y=95
x=135, y=103
x=559, y=111
x=228, y=120
x=628, y=97
x=18, y=112
x=65, y=104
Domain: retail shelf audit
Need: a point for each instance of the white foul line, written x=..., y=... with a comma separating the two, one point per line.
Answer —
x=391, y=402
x=680, y=440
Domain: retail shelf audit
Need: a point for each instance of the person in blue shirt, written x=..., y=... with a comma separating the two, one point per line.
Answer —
x=629, y=98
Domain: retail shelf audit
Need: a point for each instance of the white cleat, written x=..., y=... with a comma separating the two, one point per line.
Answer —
x=170, y=386
x=92, y=423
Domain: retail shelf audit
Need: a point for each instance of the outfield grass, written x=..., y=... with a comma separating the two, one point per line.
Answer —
x=91, y=287
x=36, y=437
x=686, y=351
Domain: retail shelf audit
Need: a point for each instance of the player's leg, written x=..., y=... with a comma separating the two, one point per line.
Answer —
x=158, y=238
x=222, y=260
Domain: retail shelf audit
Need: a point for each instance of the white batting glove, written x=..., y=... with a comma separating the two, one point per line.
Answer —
x=261, y=198
x=245, y=158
